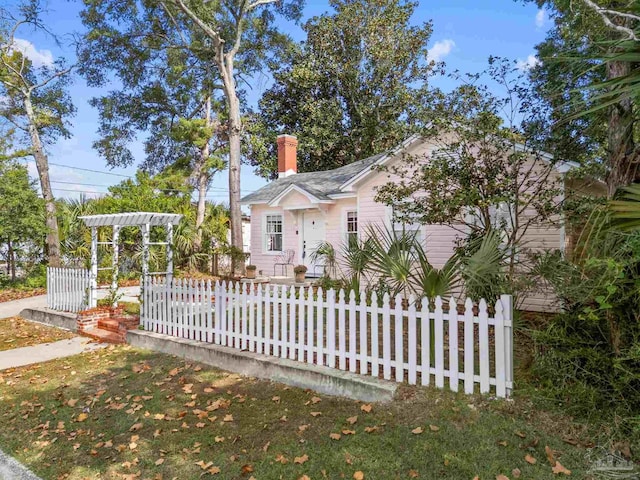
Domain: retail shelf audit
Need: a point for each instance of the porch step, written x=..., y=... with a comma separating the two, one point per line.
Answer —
x=118, y=323
x=104, y=336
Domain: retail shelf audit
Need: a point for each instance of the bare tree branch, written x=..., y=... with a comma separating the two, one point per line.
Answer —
x=605, y=15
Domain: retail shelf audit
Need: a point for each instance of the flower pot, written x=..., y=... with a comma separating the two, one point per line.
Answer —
x=300, y=277
x=251, y=274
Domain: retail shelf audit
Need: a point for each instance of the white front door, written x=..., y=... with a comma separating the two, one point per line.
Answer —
x=313, y=234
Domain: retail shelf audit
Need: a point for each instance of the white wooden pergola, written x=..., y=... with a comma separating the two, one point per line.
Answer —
x=144, y=220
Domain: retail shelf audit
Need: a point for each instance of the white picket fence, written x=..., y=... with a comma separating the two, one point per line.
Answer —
x=418, y=342
x=67, y=289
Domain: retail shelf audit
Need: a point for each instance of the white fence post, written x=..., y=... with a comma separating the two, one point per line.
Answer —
x=507, y=312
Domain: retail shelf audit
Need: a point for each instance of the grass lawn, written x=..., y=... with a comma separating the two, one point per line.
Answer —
x=127, y=413
x=17, y=332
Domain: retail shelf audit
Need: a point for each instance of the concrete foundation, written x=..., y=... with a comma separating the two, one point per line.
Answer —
x=51, y=317
x=325, y=380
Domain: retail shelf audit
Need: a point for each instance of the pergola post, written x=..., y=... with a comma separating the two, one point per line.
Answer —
x=115, y=268
x=93, y=276
x=169, y=253
x=145, y=258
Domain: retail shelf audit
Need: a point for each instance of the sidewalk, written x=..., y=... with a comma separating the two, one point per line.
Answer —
x=13, y=308
x=19, y=357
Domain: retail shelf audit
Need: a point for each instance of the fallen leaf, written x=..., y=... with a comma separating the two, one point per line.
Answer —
x=366, y=408
x=348, y=432
x=82, y=417
x=304, y=477
x=72, y=402
x=135, y=427
x=502, y=477
x=335, y=436
x=316, y=414
x=529, y=459
x=246, y=469
x=282, y=459
x=301, y=460
x=352, y=420
x=315, y=400
x=266, y=446
x=358, y=475
x=516, y=472
x=520, y=434
x=559, y=469
x=219, y=439
x=213, y=470
x=159, y=461
x=502, y=443
x=550, y=457
x=413, y=474
x=417, y=431
x=228, y=418
x=434, y=428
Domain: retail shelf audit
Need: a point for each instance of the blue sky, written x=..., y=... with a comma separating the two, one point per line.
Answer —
x=465, y=34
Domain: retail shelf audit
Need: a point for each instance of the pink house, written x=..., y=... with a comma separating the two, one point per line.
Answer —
x=298, y=211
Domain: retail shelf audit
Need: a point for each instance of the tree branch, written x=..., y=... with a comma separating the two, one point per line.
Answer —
x=58, y=74
x=604, y=14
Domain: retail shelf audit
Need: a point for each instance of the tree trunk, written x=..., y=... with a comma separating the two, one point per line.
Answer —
x=202, y=181
x=42, y=164
x=11, y=260
x=235, y=129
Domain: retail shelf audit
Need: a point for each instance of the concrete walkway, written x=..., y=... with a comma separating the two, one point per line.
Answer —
x=11, y=469
x=13, y=308
x=19, y=357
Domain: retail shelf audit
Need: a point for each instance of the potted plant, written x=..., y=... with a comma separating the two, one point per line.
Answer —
x=300, y=271
x=251, y=271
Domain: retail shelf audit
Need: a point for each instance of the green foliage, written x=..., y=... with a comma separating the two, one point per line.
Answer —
x=351, y=100
x=22, y=228
x=395, y=262
x=161, y=193
x=588, y=356
x=486, y=171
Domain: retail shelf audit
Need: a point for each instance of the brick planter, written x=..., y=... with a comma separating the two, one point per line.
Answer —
x=106, y=324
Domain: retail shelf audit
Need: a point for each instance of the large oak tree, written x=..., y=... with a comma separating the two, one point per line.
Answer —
x=349, y=91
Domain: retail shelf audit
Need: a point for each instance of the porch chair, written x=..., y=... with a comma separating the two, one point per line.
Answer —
x=286, y=258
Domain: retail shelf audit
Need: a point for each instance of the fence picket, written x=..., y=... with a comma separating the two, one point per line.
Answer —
x=412, y=343
x=439, y=343
x=310, y=323
x=469, y=342
x=364, y=363
x=453, y=345
x=352, y=331
x=386, y=337
x=399, y=338
x=375, y=354
x=342, y=362
x=425, y=342
x=320, y=328
x=331, y=328
x=292, y=322
x=483, y=330
x=276, y=320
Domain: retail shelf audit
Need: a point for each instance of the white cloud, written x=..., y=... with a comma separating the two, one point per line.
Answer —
x=39, y=58
x=541, y=18
x=531, y=62
x=440, y=50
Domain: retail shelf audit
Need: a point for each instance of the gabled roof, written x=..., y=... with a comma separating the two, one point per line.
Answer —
x=320, y=185
x=325, y=186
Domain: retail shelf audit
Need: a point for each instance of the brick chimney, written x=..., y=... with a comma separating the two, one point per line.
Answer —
x=287, y=155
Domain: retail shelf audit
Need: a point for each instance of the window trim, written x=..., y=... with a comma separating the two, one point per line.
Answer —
x=344, y=219
x=265, y=250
